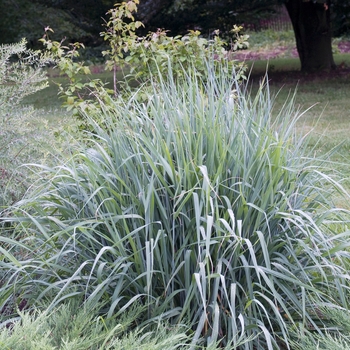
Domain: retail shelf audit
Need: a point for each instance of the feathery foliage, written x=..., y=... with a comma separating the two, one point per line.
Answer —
x=21, y=74
x=335, y=334
x=72, y=327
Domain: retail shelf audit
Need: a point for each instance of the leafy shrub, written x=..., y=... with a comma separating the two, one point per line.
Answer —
x=152, y=53
x=196, y=204
x=141, y=56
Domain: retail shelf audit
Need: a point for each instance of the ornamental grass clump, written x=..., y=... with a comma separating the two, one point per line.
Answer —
x=197, y=204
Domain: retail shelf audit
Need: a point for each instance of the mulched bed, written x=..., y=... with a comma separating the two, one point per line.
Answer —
x=280, y=51
x=293, y=77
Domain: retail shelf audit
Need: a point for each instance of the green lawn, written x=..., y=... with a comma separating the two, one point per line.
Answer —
x=323, y=101
x=289, y=64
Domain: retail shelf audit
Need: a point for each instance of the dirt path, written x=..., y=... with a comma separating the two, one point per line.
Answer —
x=281, y=51
x=293, y=77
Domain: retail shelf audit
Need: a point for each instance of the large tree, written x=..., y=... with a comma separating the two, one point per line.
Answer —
x=311, y=22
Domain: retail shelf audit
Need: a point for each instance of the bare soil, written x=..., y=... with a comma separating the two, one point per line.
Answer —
x=281, y=51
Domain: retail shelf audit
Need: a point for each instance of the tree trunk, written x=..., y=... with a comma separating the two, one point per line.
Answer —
x=312, y=29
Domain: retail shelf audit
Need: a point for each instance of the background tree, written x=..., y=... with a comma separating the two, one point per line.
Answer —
x=82, y=21
x=312, y=27
x=74, y=20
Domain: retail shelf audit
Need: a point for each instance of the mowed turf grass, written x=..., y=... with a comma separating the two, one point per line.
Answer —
x=323, y=101
x=325, y=104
